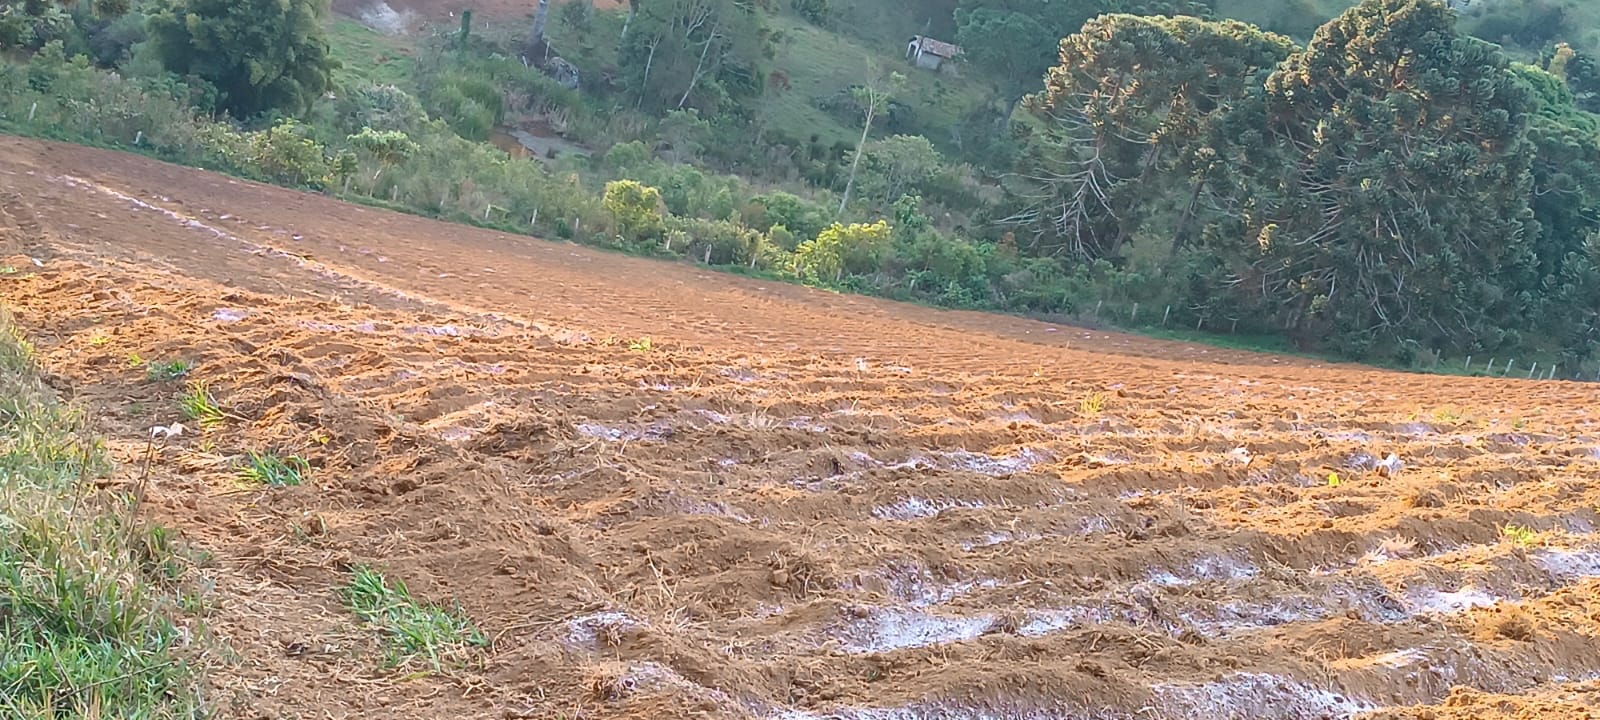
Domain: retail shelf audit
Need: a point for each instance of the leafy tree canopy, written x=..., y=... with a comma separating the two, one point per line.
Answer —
x=1015, y=39
x=260, y=54
x=704, y=54
x=1394, y=188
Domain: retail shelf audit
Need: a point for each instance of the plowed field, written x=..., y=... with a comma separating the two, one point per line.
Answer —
x=666, y=493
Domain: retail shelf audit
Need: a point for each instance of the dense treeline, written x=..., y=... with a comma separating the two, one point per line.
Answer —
x=1391, y=188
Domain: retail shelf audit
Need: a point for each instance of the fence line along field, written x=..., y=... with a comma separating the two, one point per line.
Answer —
x=437, y=472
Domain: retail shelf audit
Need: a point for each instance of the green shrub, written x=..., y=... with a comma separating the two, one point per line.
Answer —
x=383, y=108
x=801, y=217
x=854, y=248
x=285, y=154
x=716, y=242
x=471, y=106
x=635, y=209
x=626, y=156
x=816, y=11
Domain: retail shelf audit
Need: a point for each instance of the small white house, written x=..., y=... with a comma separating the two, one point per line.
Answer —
x=930, y=54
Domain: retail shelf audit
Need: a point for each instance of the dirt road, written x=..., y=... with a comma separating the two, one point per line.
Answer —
x=664, y=492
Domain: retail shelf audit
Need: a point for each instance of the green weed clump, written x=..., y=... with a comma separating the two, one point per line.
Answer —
x=199, y=405
x=1521, y=535
x=86, y=591
x=274, y=471
x=412, y=630
x=168, y=370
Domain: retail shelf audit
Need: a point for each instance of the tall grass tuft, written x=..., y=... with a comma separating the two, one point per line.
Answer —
x=412, y=630
x=85, y=590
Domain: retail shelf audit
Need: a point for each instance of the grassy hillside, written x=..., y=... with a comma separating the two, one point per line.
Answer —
x=366, y=54
x=823, y=64
x=889, y=22
x=1296, y=18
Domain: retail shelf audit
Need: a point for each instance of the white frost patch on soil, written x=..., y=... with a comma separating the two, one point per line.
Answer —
x=1361, y=461
x=1252, y=696
x=1437, y=601
x=449, y=331
x=805, y=423
x=988, y=464
x=1095, y=525
x=740, y=375
x=586, y=630
x=601, y=432
x=714, y=416
x=1578, y=525
x=886, y=630
x=365, y=327
x=1206, y=620
x=1206, y=569
x=936, y=711
x=229, y=315
x=1355, y=436
x=1242, y=616
x=915, y=508
x=1570, y=564
x=619, y=434
x=1237, y=697
x=992, y=539
x=1046, y=622
x=916, y=586
x=1401, y=658
x=696, y=506
x=1105, y=460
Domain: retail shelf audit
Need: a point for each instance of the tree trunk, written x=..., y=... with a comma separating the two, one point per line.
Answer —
x=633, y=11
x=648, y=61
x=539, y=19
x=872, y=110
x=699, y=67
x=1180, y=236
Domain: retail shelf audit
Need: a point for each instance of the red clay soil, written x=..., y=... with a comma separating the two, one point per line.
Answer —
x=787, y=504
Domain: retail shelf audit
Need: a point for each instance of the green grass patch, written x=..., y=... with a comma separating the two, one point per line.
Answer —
x=199, y=405
x=168, y=370
x=86, y=629
x=1296, y=18
x=274, y=471
x=1521, y=535
x=412, y=630
x=823, y=64
x=367, y=55
x=1270, y=344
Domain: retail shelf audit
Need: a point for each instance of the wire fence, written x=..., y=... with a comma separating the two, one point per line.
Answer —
x=1136, y=316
